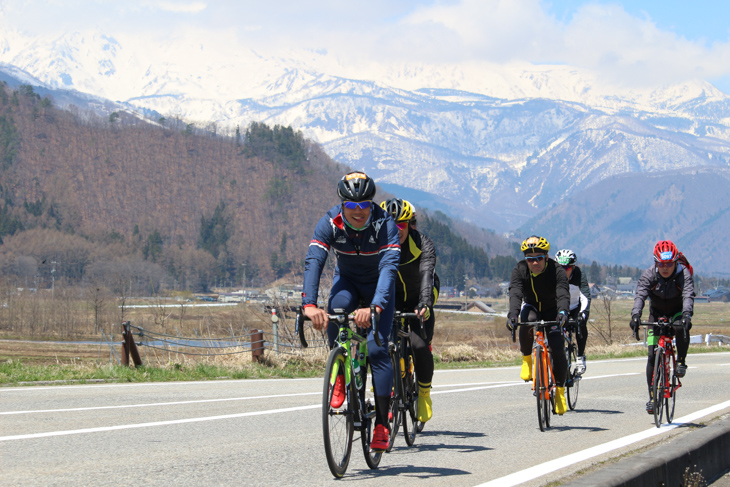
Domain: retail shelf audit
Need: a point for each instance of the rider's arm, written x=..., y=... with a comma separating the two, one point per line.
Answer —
x=688, y=292
x=516, y=292
x=562, y=289
x=642, y=290
x=389, y=255
x=314, y=262
x=427, y=267
x=585, y=291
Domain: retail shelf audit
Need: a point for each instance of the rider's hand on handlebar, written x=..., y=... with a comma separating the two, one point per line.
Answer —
x=634, y=324
x=562, y=318
x=318, y=316
x=362, y=317
x=582, y=318
x=511, y=323
x=687, y=321
x=423, y=312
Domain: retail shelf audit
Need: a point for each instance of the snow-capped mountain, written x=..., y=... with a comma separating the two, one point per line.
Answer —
x=500, y=143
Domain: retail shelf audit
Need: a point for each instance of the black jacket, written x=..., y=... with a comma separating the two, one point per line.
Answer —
x=668, y=296
x=415, y=282
x=547, y=292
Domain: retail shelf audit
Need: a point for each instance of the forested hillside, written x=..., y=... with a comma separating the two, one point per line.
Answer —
x=139, y=207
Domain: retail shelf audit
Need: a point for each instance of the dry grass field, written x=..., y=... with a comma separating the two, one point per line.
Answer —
x=458, y=338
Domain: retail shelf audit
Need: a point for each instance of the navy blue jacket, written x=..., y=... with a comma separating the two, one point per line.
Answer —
x=367, y=257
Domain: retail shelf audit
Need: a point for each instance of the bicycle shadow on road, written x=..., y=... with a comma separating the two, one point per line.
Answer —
x=410, y=471
x=576, y=428
x=462, y=448
x=595, y=411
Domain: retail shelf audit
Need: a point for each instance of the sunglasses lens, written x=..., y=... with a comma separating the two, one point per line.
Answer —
x=352, y=205
x=401, y=225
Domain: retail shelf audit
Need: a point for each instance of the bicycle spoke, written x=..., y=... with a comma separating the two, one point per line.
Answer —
x=337, y=422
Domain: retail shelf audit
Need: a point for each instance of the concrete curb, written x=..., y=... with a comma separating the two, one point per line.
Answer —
x=706, y=450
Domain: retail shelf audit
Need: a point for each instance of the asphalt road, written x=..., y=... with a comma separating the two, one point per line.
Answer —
x=266, y=432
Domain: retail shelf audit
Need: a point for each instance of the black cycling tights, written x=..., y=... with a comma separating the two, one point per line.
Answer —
x=554, y=338
x=422, y=352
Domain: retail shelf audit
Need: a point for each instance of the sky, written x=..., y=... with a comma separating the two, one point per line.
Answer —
x=630, y=41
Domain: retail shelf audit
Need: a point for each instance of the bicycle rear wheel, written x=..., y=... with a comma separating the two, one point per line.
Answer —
x=337, y=422
x=672, y=367
x=658, y=386
x=372, y=458
x=540, y=389
x=573, y=385
x=396, y=399
x=410, y=399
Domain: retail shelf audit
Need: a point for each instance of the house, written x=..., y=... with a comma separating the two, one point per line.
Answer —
x=480, y=306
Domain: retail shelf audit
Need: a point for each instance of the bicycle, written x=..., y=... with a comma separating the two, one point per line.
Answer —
x=664, y=383
x=348, y=359
x=404, y=404
x=572, y=382
x=543, y=382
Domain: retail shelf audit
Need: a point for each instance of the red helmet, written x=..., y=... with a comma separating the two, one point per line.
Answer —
x=665, y=251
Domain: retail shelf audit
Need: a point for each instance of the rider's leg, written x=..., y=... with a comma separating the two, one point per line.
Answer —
x=380, y=362
x=424, y=368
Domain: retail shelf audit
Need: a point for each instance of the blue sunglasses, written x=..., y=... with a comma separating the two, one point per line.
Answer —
x=537, y=258
x=352, y=205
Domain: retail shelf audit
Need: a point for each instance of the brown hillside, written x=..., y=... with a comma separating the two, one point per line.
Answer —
x=98, y=179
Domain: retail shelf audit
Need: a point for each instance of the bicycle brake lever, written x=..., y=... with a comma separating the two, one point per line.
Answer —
x=374, y=319
x=299, y=327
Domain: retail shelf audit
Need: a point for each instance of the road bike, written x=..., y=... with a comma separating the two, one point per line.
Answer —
x=543, y=379
x=572, y=381
x=348, y=360
x=404, y=402
x=665, y=382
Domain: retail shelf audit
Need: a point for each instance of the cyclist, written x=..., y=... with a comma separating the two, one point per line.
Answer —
x=416, y=290
x=538, y=290
x=365, y=240
x=670, y=287
x=580, y=300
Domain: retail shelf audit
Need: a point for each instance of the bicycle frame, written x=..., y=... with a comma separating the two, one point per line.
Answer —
x=666, y=342
x=540, y=343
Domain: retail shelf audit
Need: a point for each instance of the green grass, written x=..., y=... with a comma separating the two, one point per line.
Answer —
x=15, y=372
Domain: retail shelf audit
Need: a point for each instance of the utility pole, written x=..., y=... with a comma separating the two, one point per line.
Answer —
x=466, y=293
x=53, y=278
x=244, y=277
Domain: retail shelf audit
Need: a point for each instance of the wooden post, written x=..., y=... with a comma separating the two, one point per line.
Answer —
x=131, y=347
x=257, y=346
x=125, y=353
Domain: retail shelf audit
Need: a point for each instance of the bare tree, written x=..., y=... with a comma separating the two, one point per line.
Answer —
x=604, y=325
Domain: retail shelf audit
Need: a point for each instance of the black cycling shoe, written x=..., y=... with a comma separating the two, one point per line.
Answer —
x=650, y=407
x=681, y=370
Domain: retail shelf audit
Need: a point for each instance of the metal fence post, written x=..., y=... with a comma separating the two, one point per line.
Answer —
x=257, y=346
x=275, y=325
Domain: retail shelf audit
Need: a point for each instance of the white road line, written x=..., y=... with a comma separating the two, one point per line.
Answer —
x=62, y=387
x=554, y=465
x=513, y=384
x=175, y=403
x=157, y=423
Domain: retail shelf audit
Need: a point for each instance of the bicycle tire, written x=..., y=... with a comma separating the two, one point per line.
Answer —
x=539, y=388
x=410, y=413
x=670, y=401
x=573, y=388
x=337, y=423
x=657, y=386
x=396, y=399
x=372, y=458
x=550, y=394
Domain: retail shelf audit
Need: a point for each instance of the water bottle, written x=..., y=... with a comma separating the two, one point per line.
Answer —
x=358, y=377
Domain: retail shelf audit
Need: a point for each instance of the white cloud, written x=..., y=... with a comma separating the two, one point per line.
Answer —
x=178, y=7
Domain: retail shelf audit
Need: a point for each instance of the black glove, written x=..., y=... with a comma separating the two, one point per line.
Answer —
x=511, y=323
x=582, y=319
x=562, y=318
x=426, y=314
x=687, y=321
x=634, y=324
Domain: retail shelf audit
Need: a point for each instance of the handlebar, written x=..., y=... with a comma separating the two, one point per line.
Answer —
x=662, y=324
x=301, y=318
x=401, y=315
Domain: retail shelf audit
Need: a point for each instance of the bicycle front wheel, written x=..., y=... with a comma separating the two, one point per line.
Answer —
x=396, y=400
x=410, y=396
x=337, y=422
x=574, y=380
x=671, y=369
x=658, y=386
x=541, y=392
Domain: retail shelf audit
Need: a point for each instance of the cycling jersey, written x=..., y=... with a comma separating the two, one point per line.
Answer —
x=415, y=283
x=547, y=292
x=668, y=296
x=368, y=256
x=580, y=292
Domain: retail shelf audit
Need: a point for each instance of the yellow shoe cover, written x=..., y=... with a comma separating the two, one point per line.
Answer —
x=560, y=405
x=425, y=409
x=526, y=372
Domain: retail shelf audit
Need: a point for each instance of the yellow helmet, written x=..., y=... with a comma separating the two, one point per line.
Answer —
x=535, y=244
x=400, y=210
